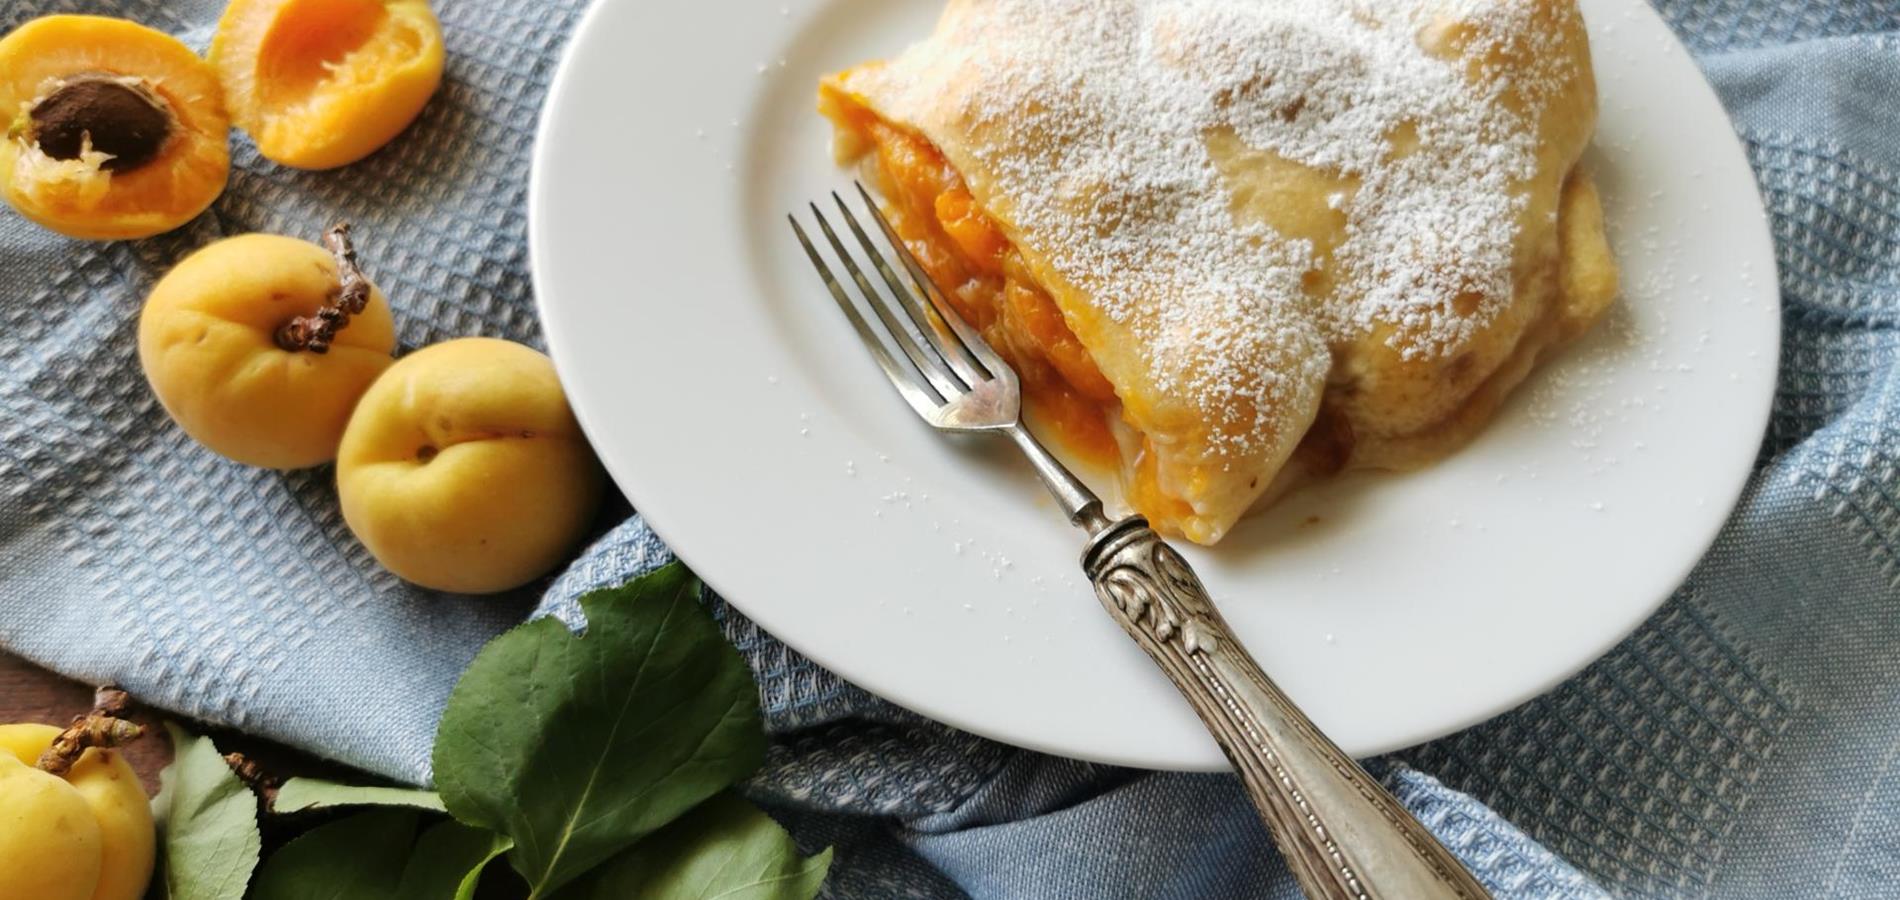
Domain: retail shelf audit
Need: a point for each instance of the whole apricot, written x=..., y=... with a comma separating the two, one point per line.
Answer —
x=84, y=835
x=49, y=841
x=118, y=131
x=324, y=83
x=464, y=470
x=212, y=339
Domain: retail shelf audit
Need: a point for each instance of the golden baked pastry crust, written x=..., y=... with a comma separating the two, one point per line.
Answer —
x=1253, y=218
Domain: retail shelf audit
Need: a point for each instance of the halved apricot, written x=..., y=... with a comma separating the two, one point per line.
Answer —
x=324, y=83
x=118, y=131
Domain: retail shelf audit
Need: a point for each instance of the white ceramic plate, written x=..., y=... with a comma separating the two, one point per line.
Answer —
x=733, y=405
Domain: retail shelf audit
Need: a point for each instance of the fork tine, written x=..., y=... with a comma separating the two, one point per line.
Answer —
x=967, y=337
x=948, y=345
x=923, y=353
x=920, y=398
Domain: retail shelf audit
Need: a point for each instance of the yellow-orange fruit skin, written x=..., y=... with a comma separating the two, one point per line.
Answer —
x=464, y=470
x=87, y=835
x=75, y=197
x=323, y=83
x=207, y=342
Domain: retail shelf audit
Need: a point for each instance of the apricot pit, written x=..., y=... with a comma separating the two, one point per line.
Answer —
x=118, y=131
x=121, y=118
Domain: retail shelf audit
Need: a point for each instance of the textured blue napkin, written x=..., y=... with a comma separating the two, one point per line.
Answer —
x=1745, y=743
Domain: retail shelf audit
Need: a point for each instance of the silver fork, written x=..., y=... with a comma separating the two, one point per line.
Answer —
x=1344, y=837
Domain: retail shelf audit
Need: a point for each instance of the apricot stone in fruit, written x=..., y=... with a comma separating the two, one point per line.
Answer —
x=118, y=131
x=464, y=470
x=208, y=342
x=324, y=83
x=122, y=119
x=87, y=835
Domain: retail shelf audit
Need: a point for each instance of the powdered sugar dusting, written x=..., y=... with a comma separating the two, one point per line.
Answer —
x=1438, y=155
x=1096, y=118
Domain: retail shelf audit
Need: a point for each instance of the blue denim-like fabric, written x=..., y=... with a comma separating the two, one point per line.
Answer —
x=1744, y=743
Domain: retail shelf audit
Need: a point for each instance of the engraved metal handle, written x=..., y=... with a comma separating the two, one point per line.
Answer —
x=1343, y=835
x=1345, y=838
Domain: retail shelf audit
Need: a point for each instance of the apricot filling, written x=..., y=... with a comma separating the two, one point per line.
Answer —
x=118, y=131
x=965, y=251
x=984, y=277
x=324, y=83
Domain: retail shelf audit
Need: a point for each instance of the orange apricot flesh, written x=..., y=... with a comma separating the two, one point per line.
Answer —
x=118, y=131
x=323, y=83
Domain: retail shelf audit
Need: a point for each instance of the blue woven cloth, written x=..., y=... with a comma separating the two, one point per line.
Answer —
x=1744, y=743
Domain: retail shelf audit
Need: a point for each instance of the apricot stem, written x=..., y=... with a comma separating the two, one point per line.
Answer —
x=110, y=699
x=253, y=775
x=99, y=728
x=314, y=333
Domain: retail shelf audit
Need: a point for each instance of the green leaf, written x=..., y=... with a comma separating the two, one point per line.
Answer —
x=376, y=856
x=449, y=861
x=578, y=746
x=356, y=858
x=725, y=849
x=207, y=823
x=299, y=794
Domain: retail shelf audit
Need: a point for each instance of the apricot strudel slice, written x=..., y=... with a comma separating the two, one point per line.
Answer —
x=1234, y=244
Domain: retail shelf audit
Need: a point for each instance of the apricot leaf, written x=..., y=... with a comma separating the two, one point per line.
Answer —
x=448, y=862
x=299, y=794
x=377, y=856
x=577, y=746
x=207, y=823
x=357, y=858
x=726, y=848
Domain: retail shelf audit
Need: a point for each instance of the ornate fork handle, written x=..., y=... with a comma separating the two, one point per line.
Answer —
x=1343, y=835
